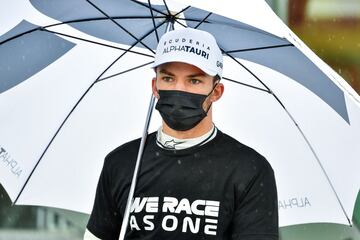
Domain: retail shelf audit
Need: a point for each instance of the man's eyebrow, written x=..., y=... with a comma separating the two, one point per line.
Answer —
x=197, y=75
x=163, y=71
x=200, y=74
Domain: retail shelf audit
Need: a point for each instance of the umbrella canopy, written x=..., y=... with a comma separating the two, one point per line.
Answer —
x=75, y=80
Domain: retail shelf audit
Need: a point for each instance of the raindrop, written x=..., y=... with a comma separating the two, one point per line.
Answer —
x=241, y=187
x=157, y=154
x=179, y=161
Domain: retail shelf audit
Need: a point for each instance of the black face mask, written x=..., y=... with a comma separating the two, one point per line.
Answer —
x=180, y=110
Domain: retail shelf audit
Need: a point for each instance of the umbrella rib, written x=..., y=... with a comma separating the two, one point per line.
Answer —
x=169, y=13
x=147, y=34
x=259, y=48
x=76, y=21
x=302, y=134
x=74, y=107
x=183, y=10
x=19, y=35
x=125, y=71
x=117, y=24
x=248, y=70
x=94, y=42
x=244, y=84
x=316, y=157
x=253, y=30
x=176, y=19
x=192, y=19
x=144, y=5
x=203, y=20
x=101, y=18
x=167, y=8
x=153, y=21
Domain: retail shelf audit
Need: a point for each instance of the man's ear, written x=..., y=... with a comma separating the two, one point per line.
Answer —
x=154, y=88
x=217, y=92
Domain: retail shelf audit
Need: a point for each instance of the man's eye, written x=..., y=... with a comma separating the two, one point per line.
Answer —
x=195, y=81
x=167, y=78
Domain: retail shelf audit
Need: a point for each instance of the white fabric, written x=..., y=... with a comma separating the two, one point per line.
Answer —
x=168, y=142
x=89, y=236
x=192, y=46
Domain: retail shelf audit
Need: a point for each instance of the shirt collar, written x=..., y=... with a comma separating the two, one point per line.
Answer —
x=168, y=142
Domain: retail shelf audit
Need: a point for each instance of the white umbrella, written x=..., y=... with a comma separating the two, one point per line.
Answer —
x=63, y=108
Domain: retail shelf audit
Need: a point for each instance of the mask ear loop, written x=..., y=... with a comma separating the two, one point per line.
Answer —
x=157, y=90
x=217, y=82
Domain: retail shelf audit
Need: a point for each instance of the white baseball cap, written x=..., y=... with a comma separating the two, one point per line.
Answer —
x=192, y=46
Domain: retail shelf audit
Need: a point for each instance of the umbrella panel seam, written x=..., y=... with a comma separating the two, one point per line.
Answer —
x=144, y=5
x=119, y=25
x=153, y=21
x=259, y=48
x=98, y=43
x=125, y=71
x=72, y=110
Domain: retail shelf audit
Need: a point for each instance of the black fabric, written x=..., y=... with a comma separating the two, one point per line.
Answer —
x=223, y=188
x=181, y=110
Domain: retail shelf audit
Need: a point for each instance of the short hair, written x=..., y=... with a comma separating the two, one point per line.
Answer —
x=216, y=78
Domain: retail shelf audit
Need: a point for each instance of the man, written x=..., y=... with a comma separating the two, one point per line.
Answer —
x=195, y=182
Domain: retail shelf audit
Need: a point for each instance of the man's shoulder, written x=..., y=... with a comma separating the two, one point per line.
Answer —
x=243, y=153
x=230, y=142
x=125, y=148
x=128, y=150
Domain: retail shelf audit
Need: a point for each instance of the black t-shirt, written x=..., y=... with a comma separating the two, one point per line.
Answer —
x=220, y=190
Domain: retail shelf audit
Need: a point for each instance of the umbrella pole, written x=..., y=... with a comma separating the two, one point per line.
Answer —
x=125, y=220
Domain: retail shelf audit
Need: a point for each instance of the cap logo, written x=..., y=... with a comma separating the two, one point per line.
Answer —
x=191, y=46
x=187, y=48
x=183, y=47
x=183, y=40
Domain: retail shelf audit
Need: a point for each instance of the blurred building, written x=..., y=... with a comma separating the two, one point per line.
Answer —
x=38, y=223
x=331, y=28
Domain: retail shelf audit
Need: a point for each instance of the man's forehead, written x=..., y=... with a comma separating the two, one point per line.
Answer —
x=172, y=68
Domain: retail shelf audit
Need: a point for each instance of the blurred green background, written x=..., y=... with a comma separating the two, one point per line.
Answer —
x=331, y=28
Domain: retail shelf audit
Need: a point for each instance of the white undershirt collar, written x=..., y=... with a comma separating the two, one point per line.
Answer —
x=168, y=142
